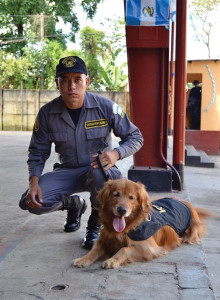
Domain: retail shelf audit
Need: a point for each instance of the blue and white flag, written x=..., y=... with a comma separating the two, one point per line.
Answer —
x=147, y=12
x=173, y=10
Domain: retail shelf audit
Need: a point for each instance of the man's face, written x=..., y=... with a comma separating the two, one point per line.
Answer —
x=72, y=87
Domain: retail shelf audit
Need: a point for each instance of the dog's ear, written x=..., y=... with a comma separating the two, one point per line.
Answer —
x=103, y=194
x=143, y=197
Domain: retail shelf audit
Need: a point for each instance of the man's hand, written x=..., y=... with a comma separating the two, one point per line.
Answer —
x=107, y=159
x=34, y=190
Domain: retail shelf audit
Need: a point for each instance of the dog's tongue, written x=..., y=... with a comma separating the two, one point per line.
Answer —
x=119, y=224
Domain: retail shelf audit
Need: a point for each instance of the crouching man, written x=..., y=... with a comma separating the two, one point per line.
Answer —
x=79, y=123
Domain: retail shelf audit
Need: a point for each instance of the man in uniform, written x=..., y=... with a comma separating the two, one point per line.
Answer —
x=79, y=123
x=194, y=104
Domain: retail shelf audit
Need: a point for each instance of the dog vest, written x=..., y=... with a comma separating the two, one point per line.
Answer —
x=166, y=211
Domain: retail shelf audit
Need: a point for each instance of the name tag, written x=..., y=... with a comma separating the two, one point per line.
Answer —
x=96, y=123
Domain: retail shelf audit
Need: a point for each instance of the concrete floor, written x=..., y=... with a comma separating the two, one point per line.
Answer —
x=36, y=255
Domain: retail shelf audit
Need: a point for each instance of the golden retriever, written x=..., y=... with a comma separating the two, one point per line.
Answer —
x=124, y=205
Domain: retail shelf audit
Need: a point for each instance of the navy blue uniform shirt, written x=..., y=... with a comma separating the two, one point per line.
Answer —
x=75, y=145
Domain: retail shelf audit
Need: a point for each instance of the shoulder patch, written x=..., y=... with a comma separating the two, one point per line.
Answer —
x=118, y=110
x=36, y=125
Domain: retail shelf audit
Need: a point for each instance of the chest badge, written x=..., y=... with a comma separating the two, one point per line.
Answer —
x=96, y=123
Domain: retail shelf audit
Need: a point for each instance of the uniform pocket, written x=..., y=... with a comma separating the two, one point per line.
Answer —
x=58, y=137
x=97, y=139
x=96, y=133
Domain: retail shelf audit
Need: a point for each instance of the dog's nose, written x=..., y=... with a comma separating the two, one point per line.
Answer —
x=121, y=210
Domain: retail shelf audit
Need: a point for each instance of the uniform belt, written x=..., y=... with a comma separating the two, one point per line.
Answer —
x=63, y=166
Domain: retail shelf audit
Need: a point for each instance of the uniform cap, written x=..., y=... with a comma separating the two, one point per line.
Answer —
x=71, y=64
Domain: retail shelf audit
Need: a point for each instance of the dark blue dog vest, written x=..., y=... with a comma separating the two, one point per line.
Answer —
x=166, y=211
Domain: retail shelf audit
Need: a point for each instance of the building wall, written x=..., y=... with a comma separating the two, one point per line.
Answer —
x=210, y=119
x=208, y=73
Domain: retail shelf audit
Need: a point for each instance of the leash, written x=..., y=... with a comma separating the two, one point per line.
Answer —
x=106, y=176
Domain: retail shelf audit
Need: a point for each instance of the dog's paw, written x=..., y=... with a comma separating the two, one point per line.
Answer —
x=110, y=263
x=81, y=262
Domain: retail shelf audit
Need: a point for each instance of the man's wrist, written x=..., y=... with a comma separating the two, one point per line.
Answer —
x=119, y=154
x=33, y=179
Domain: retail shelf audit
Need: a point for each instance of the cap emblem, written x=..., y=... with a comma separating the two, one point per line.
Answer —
x=69, y=62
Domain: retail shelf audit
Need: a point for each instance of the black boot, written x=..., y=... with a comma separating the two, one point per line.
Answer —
x=92, y=230
x=75, y=206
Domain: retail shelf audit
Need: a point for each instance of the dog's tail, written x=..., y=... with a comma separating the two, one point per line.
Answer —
x=204, y=214
x=200, y=212
x=197, y=228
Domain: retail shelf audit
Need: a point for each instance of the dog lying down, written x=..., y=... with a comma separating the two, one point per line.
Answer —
x=136, y=229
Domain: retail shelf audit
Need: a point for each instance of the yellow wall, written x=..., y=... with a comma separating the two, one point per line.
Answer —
x=210, y=119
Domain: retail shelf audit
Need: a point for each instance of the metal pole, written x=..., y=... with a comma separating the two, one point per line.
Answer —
x=41, y=47
x=171, y=82
x=1, y=109
x=21, y=105
x=180, y=89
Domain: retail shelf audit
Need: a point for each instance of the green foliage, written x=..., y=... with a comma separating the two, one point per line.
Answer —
x=32, y=66
x=19, y=18
x=114, y=77
x=35, y=63
x=201, y=6
x=95, y=48
x=205, y=10
x=114, y=67
x=90, y=7
x=12, y=70
x=102, y=55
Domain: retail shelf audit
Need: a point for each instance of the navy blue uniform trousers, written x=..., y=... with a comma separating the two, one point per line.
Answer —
x=63, y=182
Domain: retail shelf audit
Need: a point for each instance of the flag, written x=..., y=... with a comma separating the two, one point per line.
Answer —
x=173, y=10
x=147, y=12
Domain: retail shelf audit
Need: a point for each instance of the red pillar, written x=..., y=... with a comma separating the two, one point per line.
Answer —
x=144, y=47
x=180, y=89
x=148, y=66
